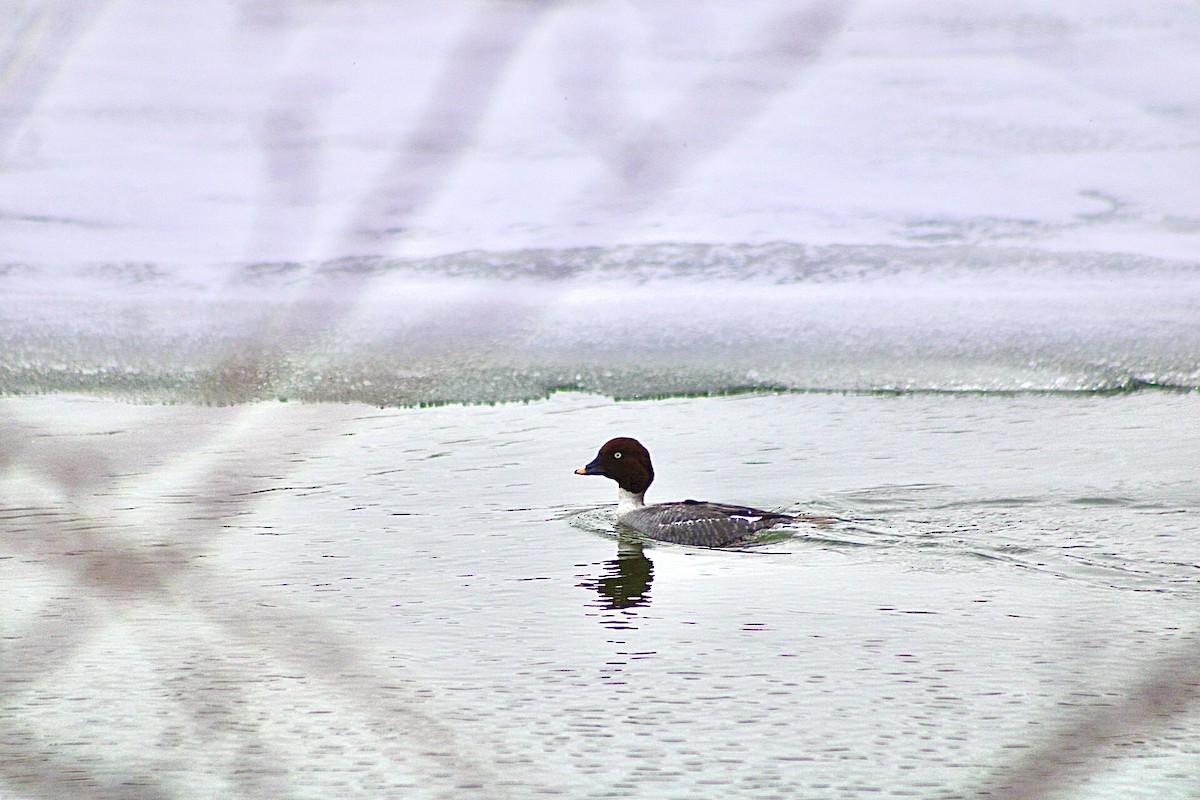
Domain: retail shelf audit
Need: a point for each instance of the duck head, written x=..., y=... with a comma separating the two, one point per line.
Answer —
x=626, y=462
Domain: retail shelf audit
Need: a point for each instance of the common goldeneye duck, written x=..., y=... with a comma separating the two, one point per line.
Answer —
x=690, y=522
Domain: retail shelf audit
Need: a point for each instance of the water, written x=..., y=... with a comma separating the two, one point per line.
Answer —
x=313, y=599
x=308, y=314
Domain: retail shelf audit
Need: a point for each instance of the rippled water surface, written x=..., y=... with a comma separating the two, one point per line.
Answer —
x=316, y=600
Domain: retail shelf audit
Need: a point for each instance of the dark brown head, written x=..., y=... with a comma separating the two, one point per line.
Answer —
x=625, y=461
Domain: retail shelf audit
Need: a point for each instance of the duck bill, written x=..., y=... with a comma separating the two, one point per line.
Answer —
x=591, y=469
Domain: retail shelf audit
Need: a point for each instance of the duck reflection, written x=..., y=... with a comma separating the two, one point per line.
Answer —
x=624, y=581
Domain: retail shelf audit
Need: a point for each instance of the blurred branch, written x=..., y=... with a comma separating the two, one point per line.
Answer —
x=1077, y=749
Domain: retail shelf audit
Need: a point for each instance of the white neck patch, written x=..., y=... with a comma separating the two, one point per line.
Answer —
x=628, y=501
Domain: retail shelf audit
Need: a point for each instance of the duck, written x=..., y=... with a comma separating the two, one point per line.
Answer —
x=688, y=522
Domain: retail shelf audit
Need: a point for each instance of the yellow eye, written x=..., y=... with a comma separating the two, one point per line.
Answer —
x=616, y=455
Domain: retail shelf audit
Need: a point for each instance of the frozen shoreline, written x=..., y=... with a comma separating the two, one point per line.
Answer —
x=652, y=321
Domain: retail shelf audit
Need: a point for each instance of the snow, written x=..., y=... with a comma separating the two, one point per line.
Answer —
x=207, y=133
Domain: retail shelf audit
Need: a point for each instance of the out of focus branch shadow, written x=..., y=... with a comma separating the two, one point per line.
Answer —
x=35, y=41
x=115, y=567
x=647, y=157
x=1081, y=747
x=445, y=131
x=424, y=159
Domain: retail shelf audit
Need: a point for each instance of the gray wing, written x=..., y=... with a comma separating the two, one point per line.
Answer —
x=701, y=524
